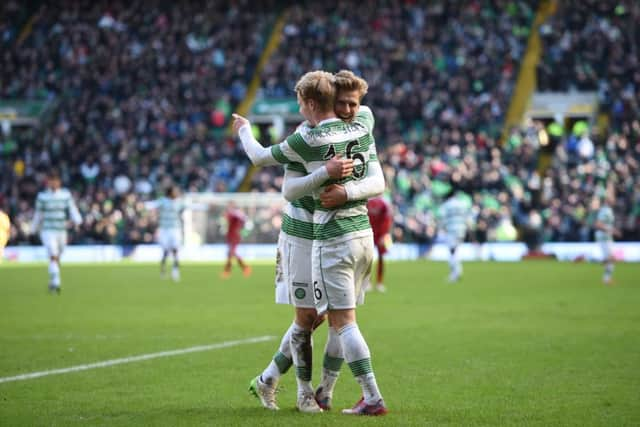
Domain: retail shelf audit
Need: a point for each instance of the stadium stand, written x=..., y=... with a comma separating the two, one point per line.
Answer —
x=440, y=73
x=594, y=45
x=142, y=94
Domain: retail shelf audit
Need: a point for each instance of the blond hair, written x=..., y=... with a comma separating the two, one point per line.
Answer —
x=347, y=81
x=318, y=86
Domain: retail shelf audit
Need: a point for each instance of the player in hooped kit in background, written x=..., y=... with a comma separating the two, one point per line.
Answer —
x=54, y=207
x=169, y=232
x=381, y=219
x=235, y=223
x=605, y=231
x=454, y=216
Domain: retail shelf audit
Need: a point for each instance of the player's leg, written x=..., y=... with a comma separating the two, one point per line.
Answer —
x=175, y=271
x=380, y=271
x=607, y=252
x=264, y=385
x=302, y=355
x=358, y=356
x=50, y=242
x=608, y=272
x=331, y=365
x=298, y=261
x=164, y=244
x=453, y=260
x=348, y=268
x=54, y=274
x=163, y=262
x=230, y=254
x=61, y=244
x=246, y=270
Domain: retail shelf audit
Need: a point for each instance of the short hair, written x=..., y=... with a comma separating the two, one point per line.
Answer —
x=318, y=86
x=171, y=190
x=347, y=81
x=53, y=174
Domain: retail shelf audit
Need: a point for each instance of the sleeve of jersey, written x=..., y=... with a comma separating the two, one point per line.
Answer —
x=293, y=150
x=75, y=214
x=259, y=155
x=37, y=217
x=297, y=185
x=151, y=204
x=370, y=186
x=365, y=116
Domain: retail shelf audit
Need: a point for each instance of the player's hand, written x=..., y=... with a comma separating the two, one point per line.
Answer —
x=238, y=122
x=338, y=167
x=333, y=196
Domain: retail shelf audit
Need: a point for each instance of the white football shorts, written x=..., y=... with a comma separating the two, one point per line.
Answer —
x=54, y=241
x=341, y=273
x=293, y=273
x=170, y=239
x=606, y=249
x=454, y=239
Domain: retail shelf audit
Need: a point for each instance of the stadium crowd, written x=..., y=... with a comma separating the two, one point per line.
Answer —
x=594, y=46
x=142, y=94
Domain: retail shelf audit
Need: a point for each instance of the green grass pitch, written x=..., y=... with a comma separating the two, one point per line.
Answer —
x=534, y=343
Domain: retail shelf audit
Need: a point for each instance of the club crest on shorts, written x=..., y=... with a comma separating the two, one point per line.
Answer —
x=299, y=293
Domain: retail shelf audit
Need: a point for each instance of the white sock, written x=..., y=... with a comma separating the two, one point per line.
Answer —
x=281, y=361
x=333, y=358
x=455, y=266
x=608, y=270
x=54, y=273
x=357, y=355
x=302, y=354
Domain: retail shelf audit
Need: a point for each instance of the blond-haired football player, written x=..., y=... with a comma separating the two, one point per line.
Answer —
x=342, y=250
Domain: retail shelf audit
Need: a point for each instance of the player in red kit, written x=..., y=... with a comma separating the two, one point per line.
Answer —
x=235, y=222
x=381, y=219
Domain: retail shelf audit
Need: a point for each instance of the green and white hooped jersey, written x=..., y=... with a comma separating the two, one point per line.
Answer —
x=312, y=148
x=54, y=209
x=605, y=216
x=297, y=216
x=169, y=212
x=454, y=215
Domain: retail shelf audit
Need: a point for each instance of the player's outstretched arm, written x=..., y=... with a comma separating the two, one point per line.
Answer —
x=37, y=216
x=297, y=185
x=151, y=204
x=259, y=155
x=76, y=218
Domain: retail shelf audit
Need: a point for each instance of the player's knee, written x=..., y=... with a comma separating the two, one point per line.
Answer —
x=340, y=318
x=305, y=317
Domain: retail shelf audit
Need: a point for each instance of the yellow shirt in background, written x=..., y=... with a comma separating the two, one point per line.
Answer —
x=4, y=228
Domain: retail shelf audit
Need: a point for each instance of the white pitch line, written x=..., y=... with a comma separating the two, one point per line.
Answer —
x=132, y=359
